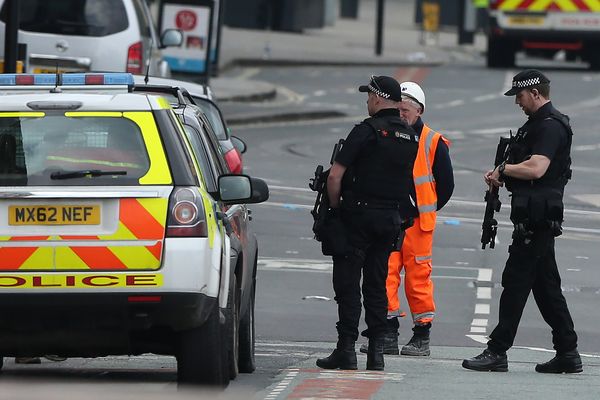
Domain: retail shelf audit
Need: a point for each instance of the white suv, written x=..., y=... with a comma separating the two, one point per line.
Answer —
x=99, y=35
x=113, y=237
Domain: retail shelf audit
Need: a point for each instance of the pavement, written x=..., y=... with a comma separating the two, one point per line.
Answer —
x=439, y=376
x=349, y=42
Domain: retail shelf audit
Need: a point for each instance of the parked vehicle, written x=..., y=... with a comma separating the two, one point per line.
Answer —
x=201, y=96
x=83, y=36
x=244, y=247
x=543, y=28
x=113, y=239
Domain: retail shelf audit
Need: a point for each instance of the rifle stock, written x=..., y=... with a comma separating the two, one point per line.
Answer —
x=489, y=227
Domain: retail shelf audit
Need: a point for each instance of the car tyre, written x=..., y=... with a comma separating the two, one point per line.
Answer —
x=1, y=362
x=247, y=363
x=200, y=356
x=500, y=53
x=232, y=329
x=594, y=60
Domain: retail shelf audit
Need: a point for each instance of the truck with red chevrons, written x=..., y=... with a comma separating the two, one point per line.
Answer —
x=543, y=27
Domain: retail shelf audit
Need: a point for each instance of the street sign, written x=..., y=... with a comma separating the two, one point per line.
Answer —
x=199, y=21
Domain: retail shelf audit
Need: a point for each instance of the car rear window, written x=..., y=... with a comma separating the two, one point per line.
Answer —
x=58, y=150
x=71, y=17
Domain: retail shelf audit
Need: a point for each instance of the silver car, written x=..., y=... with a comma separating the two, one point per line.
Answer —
x=81, y=36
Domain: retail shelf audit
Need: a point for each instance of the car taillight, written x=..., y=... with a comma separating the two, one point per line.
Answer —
x=234, y=160
x=186, y=214
x=134, y=58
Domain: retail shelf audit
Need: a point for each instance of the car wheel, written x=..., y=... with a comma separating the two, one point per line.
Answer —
x=232, y=328
x=500, y=53
x=247, y=363
x=199, y=355
x=594, y=60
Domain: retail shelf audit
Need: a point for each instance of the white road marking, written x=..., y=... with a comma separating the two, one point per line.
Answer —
x=291, y=374
x=490, y=131
x=319, y=93
x=587, y=147
x=479, y=322
x=478, y=329
x=481, y=308
x=479, y=338
x=554, y=351
x=486, y=97
x=485, y=275
x=450, y=104
x=484, y=293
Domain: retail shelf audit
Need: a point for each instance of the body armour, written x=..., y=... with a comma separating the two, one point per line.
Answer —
x=559, y=171
x=384, y=170
x=537, y=204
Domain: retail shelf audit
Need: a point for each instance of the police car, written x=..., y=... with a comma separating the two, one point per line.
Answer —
x=110, y=242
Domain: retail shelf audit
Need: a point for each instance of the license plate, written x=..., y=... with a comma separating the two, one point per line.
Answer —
x=54, y=215
x=525, y=20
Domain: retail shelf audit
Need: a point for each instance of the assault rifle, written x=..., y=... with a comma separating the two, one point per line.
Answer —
x=319, y=185
x=492, y=200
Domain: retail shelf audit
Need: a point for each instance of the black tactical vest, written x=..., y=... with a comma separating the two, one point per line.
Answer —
x=383, y=171
x=559, y=171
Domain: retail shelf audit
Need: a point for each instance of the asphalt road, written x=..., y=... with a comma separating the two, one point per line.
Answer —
x=295, y=311
x=466, y=102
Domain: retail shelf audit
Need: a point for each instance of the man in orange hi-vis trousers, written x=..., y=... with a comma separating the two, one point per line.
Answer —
x=434, y=183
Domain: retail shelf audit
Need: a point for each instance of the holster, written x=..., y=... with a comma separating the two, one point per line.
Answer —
x=334, y=237
x=530, y=212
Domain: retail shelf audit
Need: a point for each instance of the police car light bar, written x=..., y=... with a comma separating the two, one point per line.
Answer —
x=67, y=79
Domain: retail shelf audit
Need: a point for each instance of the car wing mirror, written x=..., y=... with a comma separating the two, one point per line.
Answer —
x=171, y=38
x=237, y=189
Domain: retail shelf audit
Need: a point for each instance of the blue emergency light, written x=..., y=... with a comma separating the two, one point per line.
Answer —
x=67, y=79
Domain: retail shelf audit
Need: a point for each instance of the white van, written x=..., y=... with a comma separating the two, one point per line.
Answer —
x=81, y=36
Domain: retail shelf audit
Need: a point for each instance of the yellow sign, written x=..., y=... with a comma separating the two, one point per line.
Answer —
x=19, y=66
x=431, y=16
x=85, y=281
x=54, y=215
x=525, y=20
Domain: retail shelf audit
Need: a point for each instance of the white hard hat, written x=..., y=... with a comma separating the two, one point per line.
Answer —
x=414, y=91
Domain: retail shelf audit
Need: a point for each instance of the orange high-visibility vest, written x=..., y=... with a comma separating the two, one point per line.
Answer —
x=423, y=177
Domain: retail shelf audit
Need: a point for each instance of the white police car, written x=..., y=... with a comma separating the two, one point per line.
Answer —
x=110, y=242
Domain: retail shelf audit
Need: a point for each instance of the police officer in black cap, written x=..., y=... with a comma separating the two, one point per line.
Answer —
x=536, y=172
x=373, y=202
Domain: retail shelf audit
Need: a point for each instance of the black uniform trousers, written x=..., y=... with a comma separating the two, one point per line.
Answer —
x=372, y=234
x=532, y=267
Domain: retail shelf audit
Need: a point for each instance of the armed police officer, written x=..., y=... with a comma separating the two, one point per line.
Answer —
x=536, y=172
x=369, y=188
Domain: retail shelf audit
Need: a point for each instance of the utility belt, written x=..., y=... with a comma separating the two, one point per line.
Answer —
x=352, y=201
x=530, y=213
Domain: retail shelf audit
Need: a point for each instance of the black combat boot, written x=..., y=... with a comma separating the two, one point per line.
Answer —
x=568, y=363
x=375, y=354
x=487, y=361
x=418, y=345
x=343, y=357
x=390, y=344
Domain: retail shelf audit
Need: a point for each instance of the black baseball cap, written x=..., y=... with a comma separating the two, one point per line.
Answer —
x=526, y=79
x=383, y=86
